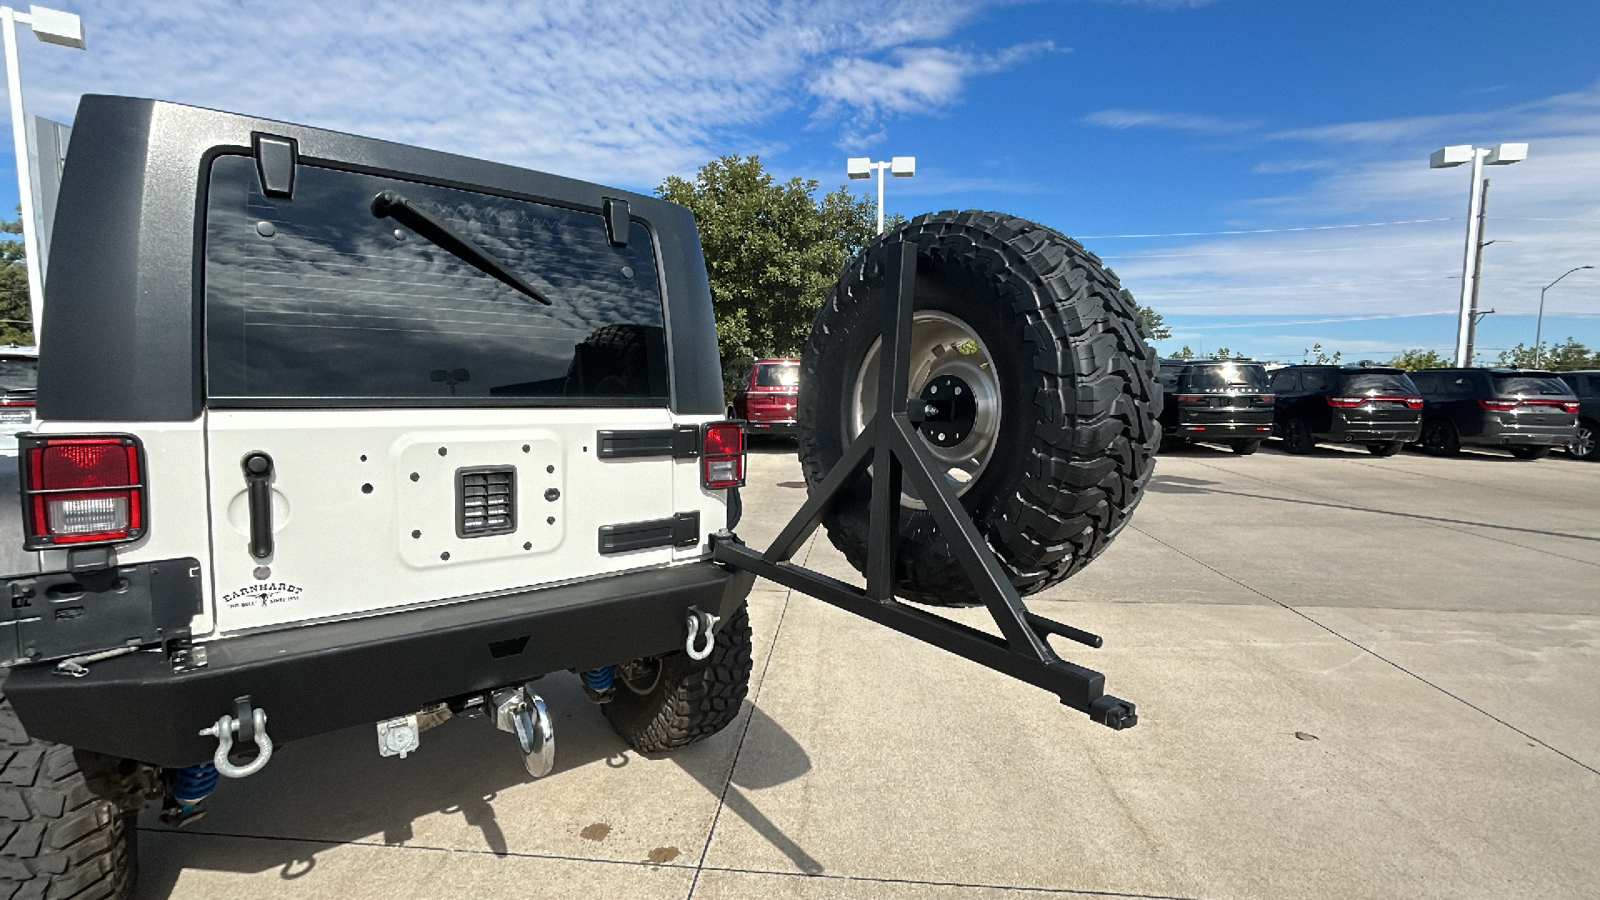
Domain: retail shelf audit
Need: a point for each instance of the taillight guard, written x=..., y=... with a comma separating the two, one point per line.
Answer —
x=722, y=455
x=80, y=490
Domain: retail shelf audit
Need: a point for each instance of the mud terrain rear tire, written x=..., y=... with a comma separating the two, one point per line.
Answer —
x=1063, y=427
x=672, y=701
x=66, y=818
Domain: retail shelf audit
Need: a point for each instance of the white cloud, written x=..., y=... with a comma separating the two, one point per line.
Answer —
x=1160, y=4
x=1122, y=119
x=615, y=90
x=915, y=80
x=1544, y=215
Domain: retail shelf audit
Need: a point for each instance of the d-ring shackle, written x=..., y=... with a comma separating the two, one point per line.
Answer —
x=224, y=731
x=701, y=625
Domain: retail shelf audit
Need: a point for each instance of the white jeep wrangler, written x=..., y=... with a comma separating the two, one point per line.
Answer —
x=337, y=431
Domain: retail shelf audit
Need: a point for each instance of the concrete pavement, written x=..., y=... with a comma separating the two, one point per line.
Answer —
x=1356, y=677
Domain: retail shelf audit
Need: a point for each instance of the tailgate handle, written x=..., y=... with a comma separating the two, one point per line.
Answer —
x=258, y=479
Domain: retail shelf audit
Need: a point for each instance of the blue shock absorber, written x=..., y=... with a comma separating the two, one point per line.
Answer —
x=599, y=680
x=191, y=784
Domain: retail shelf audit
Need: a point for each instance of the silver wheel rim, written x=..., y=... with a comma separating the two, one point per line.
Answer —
x=941, y=344
x=1584, y=445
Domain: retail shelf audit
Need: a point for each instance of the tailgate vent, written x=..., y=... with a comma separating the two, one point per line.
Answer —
x=486, y=501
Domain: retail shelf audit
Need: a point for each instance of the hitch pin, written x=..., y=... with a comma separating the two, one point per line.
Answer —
x=78, y=666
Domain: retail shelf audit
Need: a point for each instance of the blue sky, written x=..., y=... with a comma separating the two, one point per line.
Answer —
x=1229, y=136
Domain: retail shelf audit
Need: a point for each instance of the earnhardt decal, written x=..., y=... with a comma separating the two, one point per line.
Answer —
x=270, y=593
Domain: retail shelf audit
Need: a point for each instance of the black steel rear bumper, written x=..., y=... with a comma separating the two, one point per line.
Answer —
x=314, y=679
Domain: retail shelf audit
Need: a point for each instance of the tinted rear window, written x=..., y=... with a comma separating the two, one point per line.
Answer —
x=1377, y=383
x=777, y=374
x=1226, y=377
x=1529, y=386
x=19, y=373
x=315, y=298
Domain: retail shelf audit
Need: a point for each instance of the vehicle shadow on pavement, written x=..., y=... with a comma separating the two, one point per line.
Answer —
x=335, y=789
x=779, y=759
x=1177, y=484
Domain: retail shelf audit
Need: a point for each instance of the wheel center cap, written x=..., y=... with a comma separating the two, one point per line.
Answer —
x=951, y=410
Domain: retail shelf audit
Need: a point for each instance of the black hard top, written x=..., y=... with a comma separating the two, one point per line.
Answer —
x=1345, y=367
x=1498, y=370
x=123, y=322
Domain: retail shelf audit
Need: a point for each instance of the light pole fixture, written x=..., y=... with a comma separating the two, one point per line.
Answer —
x=1538, y=328
x=53, y=27
x=863, y=166
x=1448, y=157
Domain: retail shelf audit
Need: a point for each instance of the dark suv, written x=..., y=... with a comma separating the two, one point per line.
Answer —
x=1525, y=411
x=1586, y=385
x=1373, y=405
x=1223, y=400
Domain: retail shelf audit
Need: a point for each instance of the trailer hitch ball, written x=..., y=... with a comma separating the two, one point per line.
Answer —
x=521, y=712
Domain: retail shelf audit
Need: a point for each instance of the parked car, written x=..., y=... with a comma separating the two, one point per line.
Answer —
x=1525, y=411
x=1586, y=385
x=19, y=375
x=1373, y=405
x=766, y=399
x=1215, y=400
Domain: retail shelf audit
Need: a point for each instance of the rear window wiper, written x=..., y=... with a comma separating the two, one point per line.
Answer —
x=394, y=205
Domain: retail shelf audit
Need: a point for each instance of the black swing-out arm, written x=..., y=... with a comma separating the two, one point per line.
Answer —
x=892, y=447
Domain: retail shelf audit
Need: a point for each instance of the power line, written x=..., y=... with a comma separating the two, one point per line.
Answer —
x=1288, y=287
x=1446, y=312
x=1276, y=252
x=1106, y=237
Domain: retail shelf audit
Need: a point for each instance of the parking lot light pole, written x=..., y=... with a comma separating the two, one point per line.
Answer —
x=863, y=166
x=53, y=27
x=1449, y=157
x=1538, y=328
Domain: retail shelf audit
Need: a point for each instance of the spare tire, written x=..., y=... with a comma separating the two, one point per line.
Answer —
x=1051, y=452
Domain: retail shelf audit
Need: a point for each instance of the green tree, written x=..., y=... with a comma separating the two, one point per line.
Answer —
x=1318, y=356
x=772, y=251
x=1228, y=353
x=1563, y=357
x=16, y=313
x=1412, y=360
x=1186, y=353
x=1155, y=326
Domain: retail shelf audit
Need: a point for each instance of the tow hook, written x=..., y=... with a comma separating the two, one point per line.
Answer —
x=521, y=712
x=702, y=627
x=250, y=726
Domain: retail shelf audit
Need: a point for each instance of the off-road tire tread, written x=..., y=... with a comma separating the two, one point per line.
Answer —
x=1095, y=394
x=692, y=700
x=66, y=818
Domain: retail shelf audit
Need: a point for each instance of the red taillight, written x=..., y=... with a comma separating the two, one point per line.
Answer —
x=1267, y=398
x=1570, y=406
x=1413, y=402
x=722, y=455
x=1190, y=398
x=82, y=490
x=1346, y=402
x=16, y=402
x=1499, y=405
